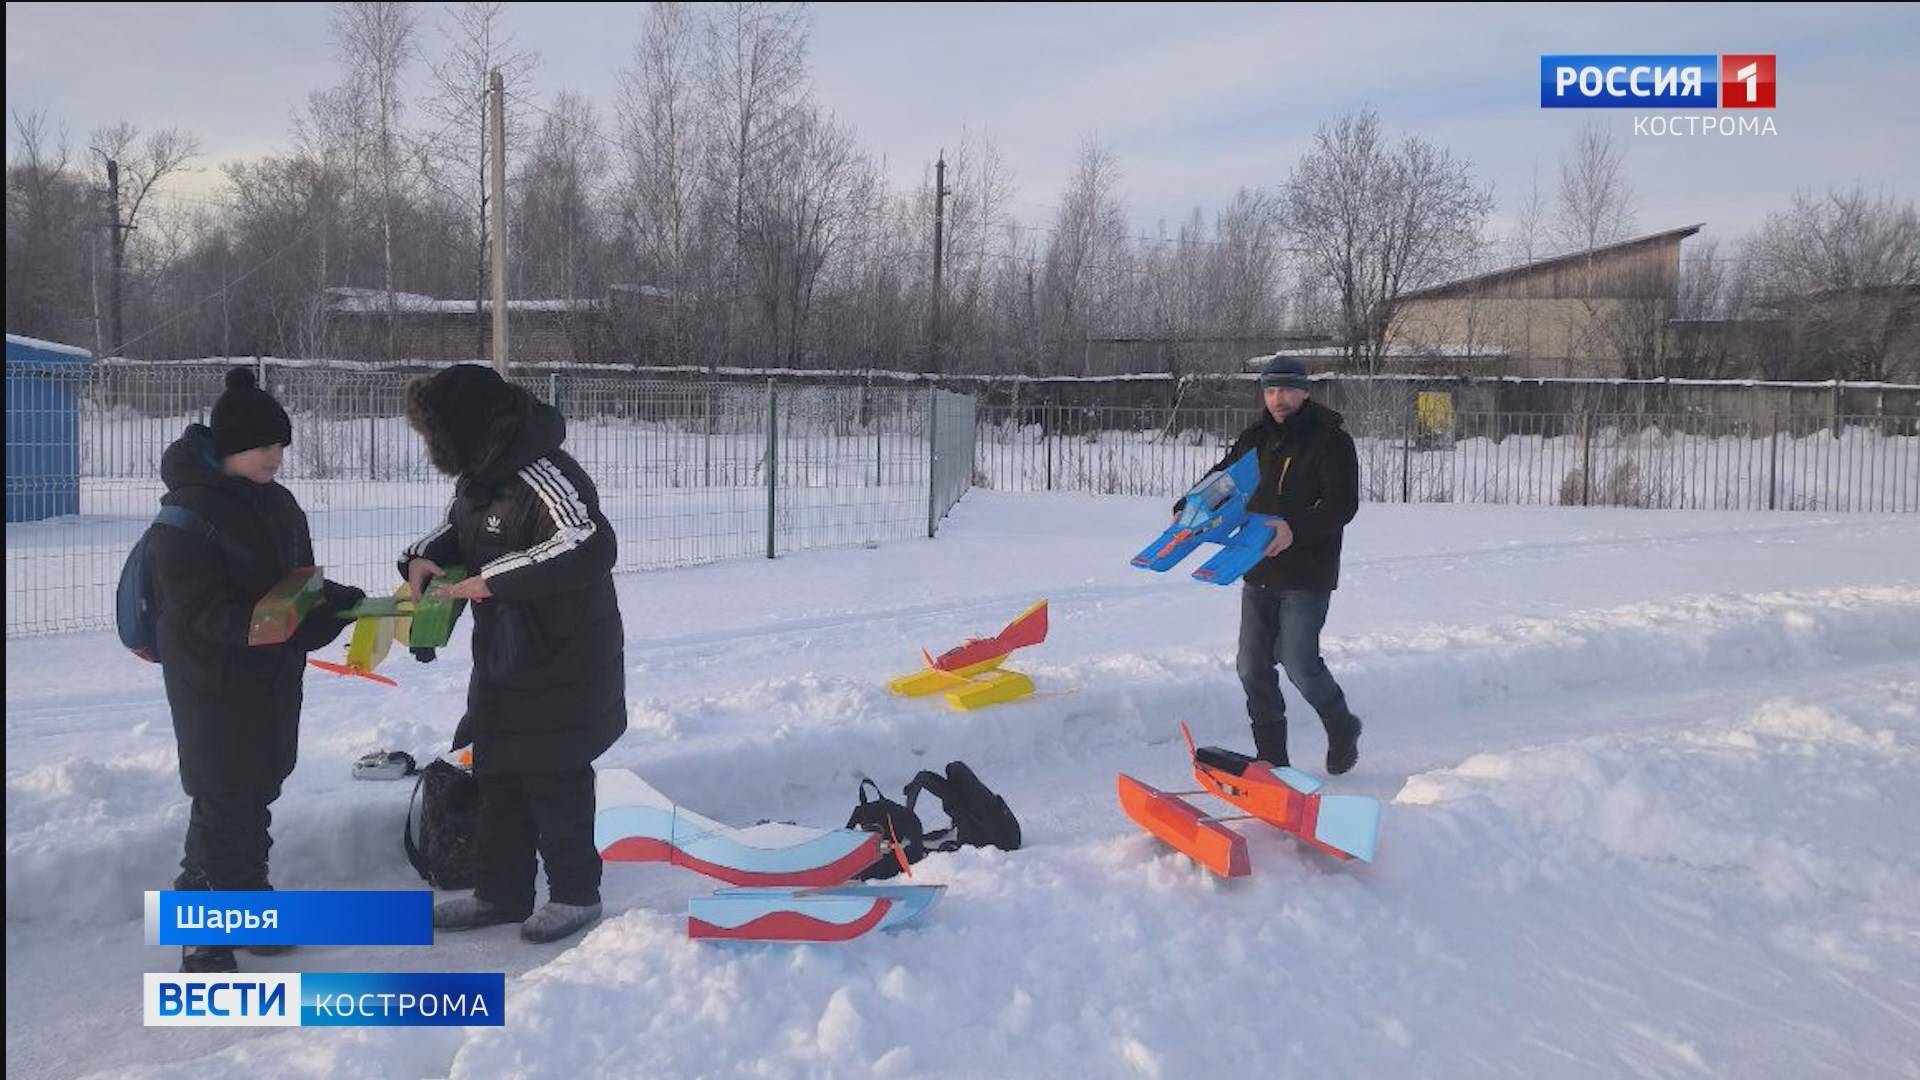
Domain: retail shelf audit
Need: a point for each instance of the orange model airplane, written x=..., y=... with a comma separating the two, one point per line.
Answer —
x=1344, y=826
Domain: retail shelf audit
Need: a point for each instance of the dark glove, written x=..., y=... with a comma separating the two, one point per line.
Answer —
x=323, y=625
x=424, y=655
x=340, y=597
x=1179, y=506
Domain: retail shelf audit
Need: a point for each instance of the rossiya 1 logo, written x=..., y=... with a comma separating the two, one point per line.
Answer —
x=1746, y=81
x=1656, y=84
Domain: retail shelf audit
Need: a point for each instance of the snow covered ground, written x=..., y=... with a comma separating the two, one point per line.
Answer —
x=1652, y=812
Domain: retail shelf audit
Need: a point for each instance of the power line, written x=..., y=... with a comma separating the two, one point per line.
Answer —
x=584, y=130
x=183, y=197
x=298, y=239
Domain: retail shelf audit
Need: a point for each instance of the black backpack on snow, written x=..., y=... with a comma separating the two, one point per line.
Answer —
x=449, y=799
x=979, y=818
x=898, y=826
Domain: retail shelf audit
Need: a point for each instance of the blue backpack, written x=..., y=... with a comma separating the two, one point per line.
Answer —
x=134, y=608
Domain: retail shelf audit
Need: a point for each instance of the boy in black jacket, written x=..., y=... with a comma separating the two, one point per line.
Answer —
x=1310, y=478
x=548, y=692
x=236, y=708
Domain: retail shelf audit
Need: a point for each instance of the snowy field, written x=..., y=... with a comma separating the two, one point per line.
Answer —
x=1650, y=777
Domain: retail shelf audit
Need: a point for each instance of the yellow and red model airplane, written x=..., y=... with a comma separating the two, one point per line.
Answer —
x=970, y=674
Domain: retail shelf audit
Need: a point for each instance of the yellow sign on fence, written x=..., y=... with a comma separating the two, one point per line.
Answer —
x=1435, y=409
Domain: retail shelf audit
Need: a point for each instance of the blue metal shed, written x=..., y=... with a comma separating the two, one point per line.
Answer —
x=45, y=382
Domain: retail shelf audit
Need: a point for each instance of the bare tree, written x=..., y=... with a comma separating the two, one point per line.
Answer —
x=1840, y=272
x=375, y=40
x=661, y=114
x=125, y=176
x=329, y=135
x=476, y=42
x=1596, y=199
x=559, y=240
x=798, y=216
x=980, y=185
x=1377, y=221
x=1632, y=321
x=1704, y=344
x=1087, y=249
x=1843, y=239
x=1249, y=252
x=53, y=234
x=754, y=72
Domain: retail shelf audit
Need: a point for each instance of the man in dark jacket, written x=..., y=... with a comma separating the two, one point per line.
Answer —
x=548, y=692
x=1310, y=479
x=236, y=708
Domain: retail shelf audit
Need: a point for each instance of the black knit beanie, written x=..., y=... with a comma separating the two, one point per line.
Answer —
x=247, y=417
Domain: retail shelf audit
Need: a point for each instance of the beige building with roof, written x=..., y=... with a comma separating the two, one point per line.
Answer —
x=1597, y=313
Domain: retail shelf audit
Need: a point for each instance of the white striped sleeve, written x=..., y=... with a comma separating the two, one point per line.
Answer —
x=573, y=524
x=415, y=549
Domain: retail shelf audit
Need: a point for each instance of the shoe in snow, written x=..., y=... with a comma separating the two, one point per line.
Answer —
x=204, y=958
x=1343, y=745
x=1270, y=744
x=555, y=921
x=470, y=913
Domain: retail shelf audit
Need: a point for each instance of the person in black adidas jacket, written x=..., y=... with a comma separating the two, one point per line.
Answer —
x=236, y=708
x=1310, y=478
x=548, y=692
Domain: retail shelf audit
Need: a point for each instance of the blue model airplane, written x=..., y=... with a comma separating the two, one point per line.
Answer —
x=1216, y=513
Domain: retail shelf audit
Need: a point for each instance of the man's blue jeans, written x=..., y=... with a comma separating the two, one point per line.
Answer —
x=1281, y=629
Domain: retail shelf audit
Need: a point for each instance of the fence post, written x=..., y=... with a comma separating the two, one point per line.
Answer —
x=1406, y=453
x=1046, y=440
x=373, y=444
x=1586, y=459
x=773, y=461
x=1773, y=465
x=553, y=389
x=933, y=458
x=1835, y=406
x=706, y=453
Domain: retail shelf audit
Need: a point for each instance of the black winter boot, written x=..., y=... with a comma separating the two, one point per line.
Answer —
x=196, y=958
x=1270, y=743
x=1343, y=744
x=263, y=885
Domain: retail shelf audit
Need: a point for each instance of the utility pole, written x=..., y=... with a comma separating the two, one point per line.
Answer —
x=497, y=92
x=940, y=194
x=93, y=285
x=117, y=241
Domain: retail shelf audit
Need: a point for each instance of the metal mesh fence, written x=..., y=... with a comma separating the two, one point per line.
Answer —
x=691, y=472
x=688, y=472
x=1693, y=461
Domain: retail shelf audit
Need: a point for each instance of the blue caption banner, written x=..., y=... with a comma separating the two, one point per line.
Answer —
x=403, y=999
x=326, y=999
x=1629, y=81
x=400, y=917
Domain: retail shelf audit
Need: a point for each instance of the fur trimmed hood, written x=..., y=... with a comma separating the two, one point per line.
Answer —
x=478, y=426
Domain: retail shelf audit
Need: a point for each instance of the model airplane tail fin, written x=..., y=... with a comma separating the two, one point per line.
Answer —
x=1027, y=628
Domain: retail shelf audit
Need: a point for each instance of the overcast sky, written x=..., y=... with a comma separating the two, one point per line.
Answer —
x=1197, y=100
